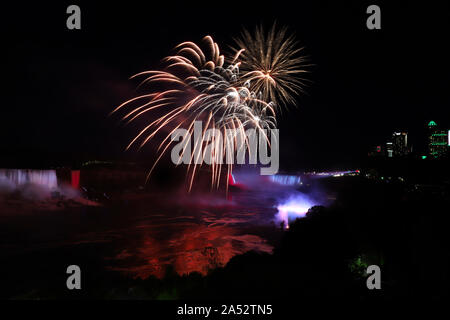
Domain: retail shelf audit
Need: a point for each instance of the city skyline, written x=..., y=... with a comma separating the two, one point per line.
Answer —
x=398, y=145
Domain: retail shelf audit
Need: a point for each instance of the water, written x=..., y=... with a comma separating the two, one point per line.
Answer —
x=140, y=233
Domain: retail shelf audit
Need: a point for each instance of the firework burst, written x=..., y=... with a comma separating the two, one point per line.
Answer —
x=197, y=83
x=272, y=64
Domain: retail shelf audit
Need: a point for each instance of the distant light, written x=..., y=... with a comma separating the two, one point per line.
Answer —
x=424, y=157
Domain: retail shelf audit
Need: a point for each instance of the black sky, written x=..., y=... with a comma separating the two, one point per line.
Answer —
x=59, y=85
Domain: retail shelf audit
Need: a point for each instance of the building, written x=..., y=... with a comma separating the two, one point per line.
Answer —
x=397, y=146
x=400, y=144
x=389, y=149
x=438, y=140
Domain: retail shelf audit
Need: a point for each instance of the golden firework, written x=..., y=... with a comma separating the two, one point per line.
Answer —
x=197, y=83
x=272, y=64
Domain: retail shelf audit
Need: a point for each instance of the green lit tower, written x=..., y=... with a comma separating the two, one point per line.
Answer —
x=437, y=140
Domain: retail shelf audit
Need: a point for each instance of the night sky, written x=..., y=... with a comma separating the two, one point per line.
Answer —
x=59, y=85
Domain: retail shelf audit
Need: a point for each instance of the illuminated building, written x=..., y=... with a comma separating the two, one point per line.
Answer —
x=395, y=147
x=400, y=144
x=438, y=140
x=389, y=149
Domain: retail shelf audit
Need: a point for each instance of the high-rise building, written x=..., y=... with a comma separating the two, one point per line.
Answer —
x=400, y=144
x=389, y=149
x=438, y=140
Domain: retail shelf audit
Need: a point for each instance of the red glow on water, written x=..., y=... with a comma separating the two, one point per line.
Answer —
x=231, y=180
x=75, y=179
x=193, y=248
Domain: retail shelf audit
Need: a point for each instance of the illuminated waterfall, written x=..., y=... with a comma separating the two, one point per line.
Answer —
x=20, y=177
x=288, y=180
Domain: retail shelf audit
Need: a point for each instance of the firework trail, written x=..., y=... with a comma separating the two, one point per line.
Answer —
x=198, y=86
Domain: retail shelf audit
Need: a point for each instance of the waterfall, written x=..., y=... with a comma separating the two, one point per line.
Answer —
x=20, y=177
x=288, y=180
